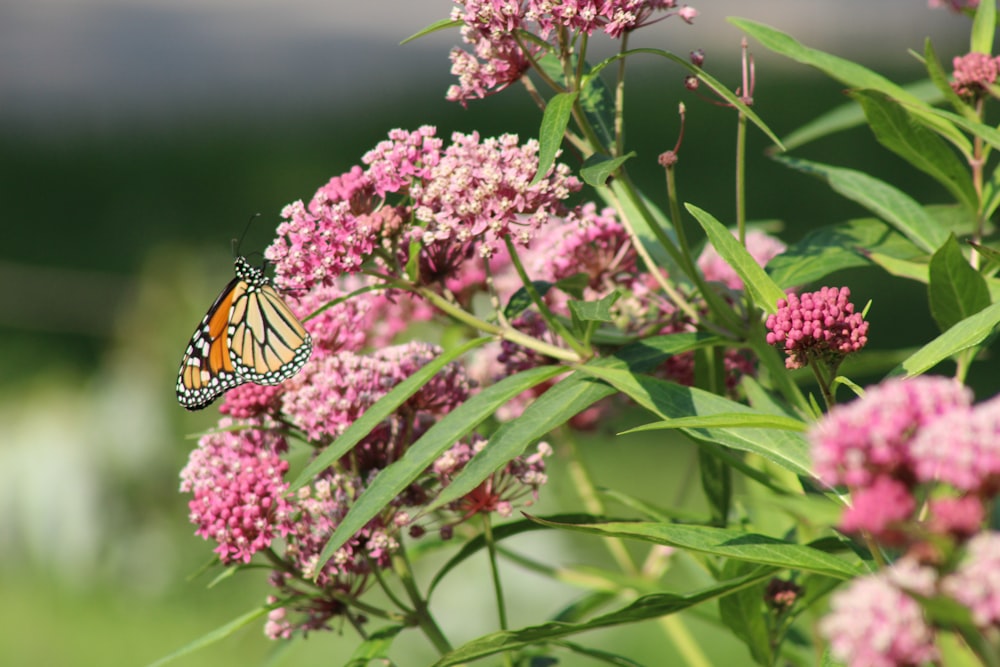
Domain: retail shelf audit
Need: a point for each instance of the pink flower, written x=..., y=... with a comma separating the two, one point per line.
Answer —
x=962, y=448
x=872, y=623
x=481, y=191
x=974, y=73
x=495, y=63
x=402, y=158
x=817, y=325
x=235, y=478
x=251, y=400
x=959, y=517
x=976, y=582
x=762, y=246
x=871, y=436
x=334, y=328
x=953, y=5
x=878, y=508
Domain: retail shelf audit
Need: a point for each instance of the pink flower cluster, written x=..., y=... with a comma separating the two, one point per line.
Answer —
x=953, y=5
x=492, y=28
x=458, y=200
x=817, y=326
x=875, y=623
x=236, y=480
x=974, y=73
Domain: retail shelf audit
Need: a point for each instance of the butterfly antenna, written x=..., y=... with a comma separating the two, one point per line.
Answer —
x=239, y=242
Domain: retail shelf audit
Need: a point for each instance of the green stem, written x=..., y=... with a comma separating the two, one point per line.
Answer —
x=620, y=102
x=491, y=550
x=741, y=170
x=421, y=614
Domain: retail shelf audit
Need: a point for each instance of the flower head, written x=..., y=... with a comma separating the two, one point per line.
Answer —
x=872, y=623
x=817, y=325
x=976, y=582
x=974, y=73
x=235, y=478
x=871, y=436
x=962, y=449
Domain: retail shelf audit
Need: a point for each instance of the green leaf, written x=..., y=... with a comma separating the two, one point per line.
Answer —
x=717, y=483
x=956, y=290
x=724, y=543
x=847, y=72
x=458, y=423
x=731, y=420
x=521, y=300
x=850, y=115
x=558, y=404
x=443, y=24
x=384, y=407
x=669, y=401
x=842, y=246
x=646, y=607
x=743, y=613
x=983, y=28
x=219, y=633
x=965, y=335
x=760, y=286
x=375, y=646
x=596, y=654
x=555, y=120
x=939, y=78
x=897, y=130
x=499, y=533
x=882, y=199
x=598, y=168
x=574, y=284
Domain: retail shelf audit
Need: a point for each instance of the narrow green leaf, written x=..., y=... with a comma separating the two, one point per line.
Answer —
x=384, y=407
x=967, y=334
x=218, y=634
x=882, y=199
x=499, y=533
x=939, y=78
x=521, y=300
x=725, y=543
x=669, y=401
x=847, y=72
x=375, y=646
x=902, y=268
x=555, y=120
x=988, y=134
x=598, y=168
x=762, y=289
x=646, y=607
x=898, y=131
x=443, y=24
x=458, y=423
x=574, y=284
x=983, y=28
x=596, y=654
x=847, y=116
x=841, y=246
x=956, y=290
x=732, y=420
x=717, y=484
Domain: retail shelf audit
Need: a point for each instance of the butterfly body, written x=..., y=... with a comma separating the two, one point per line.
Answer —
x=249, y=334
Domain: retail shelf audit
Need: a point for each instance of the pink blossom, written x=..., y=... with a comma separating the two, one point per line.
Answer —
x=333, y=328
x=481, y=192
x=402, y=158
x=976, y=582
x=962, y=448
x=959, y=517
x=953, y=5
x=878, y=508
x=872, y=623
x=251, y=400
x=494, y=63
x=871, y=436
x=817, y=325
x=974, y=73
x=762, y=247
x=235, y=478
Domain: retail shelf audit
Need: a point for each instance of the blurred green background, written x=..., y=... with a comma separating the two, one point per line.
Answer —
x=136, y=141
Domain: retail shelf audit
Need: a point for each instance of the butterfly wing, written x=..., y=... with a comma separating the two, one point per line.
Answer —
x=207, y=370
x=268, y=344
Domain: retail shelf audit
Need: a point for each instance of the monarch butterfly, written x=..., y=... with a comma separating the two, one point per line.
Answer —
x=248, y=335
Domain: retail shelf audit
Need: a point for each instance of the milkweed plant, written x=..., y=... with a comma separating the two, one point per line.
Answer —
x=840, y=524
